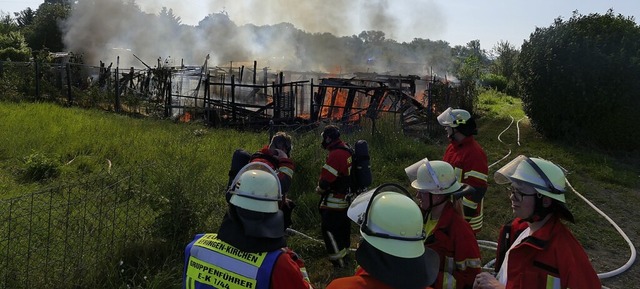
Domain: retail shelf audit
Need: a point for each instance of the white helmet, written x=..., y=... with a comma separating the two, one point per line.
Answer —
x=436, y=177
x=256, y=188
x=547, y=178
x=453, y=117
x=391, y=221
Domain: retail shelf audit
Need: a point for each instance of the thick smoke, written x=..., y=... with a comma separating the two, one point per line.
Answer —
x=266, y=31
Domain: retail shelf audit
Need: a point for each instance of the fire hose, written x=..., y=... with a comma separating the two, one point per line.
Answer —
x=493, y=245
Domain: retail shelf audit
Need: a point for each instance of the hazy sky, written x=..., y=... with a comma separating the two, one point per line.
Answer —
x=454, y=21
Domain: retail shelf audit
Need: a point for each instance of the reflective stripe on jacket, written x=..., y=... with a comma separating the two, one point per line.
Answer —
x=471, y=168
x=458, y=249
x=469, y=160
x=335, y=177
x=550, y=258
x=212, y=263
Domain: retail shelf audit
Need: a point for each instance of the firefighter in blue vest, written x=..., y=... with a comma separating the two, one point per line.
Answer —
x=249, y=250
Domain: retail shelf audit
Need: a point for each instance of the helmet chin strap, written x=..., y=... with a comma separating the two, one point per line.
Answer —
x=432, y=205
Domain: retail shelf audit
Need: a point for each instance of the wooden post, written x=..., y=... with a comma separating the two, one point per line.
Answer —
x=69, y=95
x=117, y=79
x=265, y=81
x=233, y=97
x=167, y=91
x=207, y=97
x=59, y=75
x=312, y=116
x=255, y=71
x=131, y=72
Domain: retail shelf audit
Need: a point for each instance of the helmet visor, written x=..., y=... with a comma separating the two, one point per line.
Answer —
x=453, y=117
x=412, y=170
x=446, y=118
x=525, y=170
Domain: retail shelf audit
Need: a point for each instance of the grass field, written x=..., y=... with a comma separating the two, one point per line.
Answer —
x=188, y=164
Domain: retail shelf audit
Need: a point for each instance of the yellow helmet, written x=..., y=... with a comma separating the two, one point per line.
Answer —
x=256, y=188
x=436, y=177
x=391, y=221
x=547, y=178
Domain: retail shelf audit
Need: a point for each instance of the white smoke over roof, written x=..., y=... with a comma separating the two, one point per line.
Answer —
x=95, y=28
x=401, y=20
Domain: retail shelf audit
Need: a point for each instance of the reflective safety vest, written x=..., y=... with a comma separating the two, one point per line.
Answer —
x=212, y=263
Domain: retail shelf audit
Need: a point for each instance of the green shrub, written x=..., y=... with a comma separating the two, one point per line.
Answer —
x=39, y=167
x=578, y=80
x=495, y=81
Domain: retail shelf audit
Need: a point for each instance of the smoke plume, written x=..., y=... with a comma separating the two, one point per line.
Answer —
x=240, y=30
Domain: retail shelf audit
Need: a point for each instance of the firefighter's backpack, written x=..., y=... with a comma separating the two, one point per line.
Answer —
x=361, y=177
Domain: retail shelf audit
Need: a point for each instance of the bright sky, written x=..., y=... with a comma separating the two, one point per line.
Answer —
x=454, y=21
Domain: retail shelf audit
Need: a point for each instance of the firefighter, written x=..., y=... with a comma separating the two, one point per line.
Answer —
x=249, y=250
x=277, y=155
x=469, y=160
x=536, y=250
x=391, y=254
x=333, y=187
x=439, y=194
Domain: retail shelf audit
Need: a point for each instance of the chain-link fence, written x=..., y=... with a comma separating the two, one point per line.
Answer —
x=64, y=237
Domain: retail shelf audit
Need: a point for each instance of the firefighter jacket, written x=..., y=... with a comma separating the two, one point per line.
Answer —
x=455, y=243
x=212, y=263
x=470, y=163
x=550, y=258
x=283, y=165
x=360, y=280
x=335, y=177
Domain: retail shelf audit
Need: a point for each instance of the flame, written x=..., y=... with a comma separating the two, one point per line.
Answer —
x=336, y=111
x=186, y=117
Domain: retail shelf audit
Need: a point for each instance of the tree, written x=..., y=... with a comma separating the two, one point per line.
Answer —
x=45, y=31
x=25, y=17
x=470, y=61
x=64, y=2
x=7, y=24
x=13, y=47
x=578, y=80
x=372, y=37
x=167, y=17
x=504, y=64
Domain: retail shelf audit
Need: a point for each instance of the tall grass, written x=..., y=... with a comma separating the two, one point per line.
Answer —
x=188, y=167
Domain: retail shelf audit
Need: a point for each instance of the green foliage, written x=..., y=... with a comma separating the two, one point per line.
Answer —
x=470, y=61
x=495, y=104
x=505, y=63
x=46, y=30
x=578, y=80
x=25, y=17
x=39, y=166
x=13, y=47
x=495, y=81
